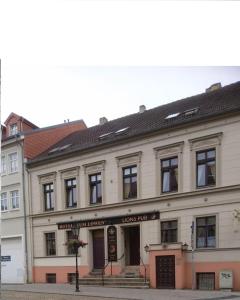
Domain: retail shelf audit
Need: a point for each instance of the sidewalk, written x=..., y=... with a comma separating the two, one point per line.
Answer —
x=122, y=293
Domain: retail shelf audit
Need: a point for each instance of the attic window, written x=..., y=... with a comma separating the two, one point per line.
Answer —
x=65, y=147
x=102, y=136
x=58, y=149
x=191, y=112
x=53, y=150
x=13, y=129
x=122, y=130
x=172, y=116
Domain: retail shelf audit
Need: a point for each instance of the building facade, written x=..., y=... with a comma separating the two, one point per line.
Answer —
x=165, y=182
x=21, y=140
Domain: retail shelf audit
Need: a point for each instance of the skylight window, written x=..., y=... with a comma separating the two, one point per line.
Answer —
x=53, y=150
x=102, y=136
x=65, y=147
x=172, y=116
x=122, y=130
x=191, y=111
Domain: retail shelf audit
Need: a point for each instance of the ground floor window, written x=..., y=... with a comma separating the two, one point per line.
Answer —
x=71, y=277
x=205, y=281
x=51, y=277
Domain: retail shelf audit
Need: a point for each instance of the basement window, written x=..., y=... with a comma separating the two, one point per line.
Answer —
x=51, y=277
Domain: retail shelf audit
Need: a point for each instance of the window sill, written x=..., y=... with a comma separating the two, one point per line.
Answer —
x=169, y=193
x=12, y=173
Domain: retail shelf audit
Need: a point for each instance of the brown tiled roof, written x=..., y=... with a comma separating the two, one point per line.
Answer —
x=208, y=105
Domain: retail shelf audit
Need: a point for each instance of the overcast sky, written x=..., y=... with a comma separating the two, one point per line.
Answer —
x=87, y=59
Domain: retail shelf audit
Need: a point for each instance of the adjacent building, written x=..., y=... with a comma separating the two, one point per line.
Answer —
x=21, y=140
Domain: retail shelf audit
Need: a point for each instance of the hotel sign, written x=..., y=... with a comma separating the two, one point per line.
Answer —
x=112, y=243
x=150, y=216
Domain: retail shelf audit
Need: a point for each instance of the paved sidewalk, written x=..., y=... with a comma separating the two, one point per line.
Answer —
x=90, y=293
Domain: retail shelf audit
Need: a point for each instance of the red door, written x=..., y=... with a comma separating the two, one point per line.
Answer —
x=98, y=249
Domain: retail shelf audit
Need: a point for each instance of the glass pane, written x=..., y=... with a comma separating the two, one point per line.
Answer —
x=93, y=178
x=211, y=170
x=165, y=163
x=211, y=154
x=174, y=161
x=74, y=195
x=174, y=180
x=93, y=194
x=201, y=237
x=134, y=179
x=126, y=171
x=74, y=182
x=211, y=239
x=99, y=190
x=201, y=221
x=99, y=177
x=164, y=225
x=134, y=170
x=165, y=182
x=201, y=156
x=211, y=220
x=201, y=176
x=134, y=190
x=126, y=189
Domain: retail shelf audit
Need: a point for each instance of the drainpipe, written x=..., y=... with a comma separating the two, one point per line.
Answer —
x=20, y=142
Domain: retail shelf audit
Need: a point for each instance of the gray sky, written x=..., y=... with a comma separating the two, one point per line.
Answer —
x=84, y=59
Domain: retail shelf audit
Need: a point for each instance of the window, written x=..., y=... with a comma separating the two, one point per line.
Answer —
x=3, y=165
x=206, y=168
x=205, y=281
x=169, y=172
x=71, y=197
x=71, y=277
x=13, y=163
x=169, y=231
x=13, y=129
x=50, y=243
x=48, y=196
x=51, y=277
x=130, y=182
x=206, y=232
x=95, y=182
x=14, y=196
x=70, y=236
x=4, y=204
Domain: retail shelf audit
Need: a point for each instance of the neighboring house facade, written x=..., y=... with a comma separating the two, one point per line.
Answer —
x=164, y=181
x=21, y=140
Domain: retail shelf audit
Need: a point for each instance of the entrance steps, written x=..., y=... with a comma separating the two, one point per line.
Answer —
x=114, y=281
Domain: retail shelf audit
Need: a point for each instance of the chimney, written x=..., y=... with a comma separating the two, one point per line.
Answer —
x=103, y=120
x=142, y=109
x=214, y=87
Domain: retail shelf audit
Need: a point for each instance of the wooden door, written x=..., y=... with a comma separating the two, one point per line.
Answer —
x=98, y=249
x=134, y=240
x=165, y=272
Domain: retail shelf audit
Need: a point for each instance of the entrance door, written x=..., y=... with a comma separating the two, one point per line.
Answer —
x=165, y=271
x=98, y=248
x=132, y=245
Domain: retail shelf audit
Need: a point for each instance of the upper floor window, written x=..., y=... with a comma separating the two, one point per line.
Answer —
x=206, y=232
x=13, y=162
x=3, y=165
x=14, y=196
x=169, y=174
x=4, y=202
x=206, y=167
x=48, y=196
x=13, y=129
x=71, y=197
x=50, y=243
x=169, y=231
x=95, y=185
x=130, y=182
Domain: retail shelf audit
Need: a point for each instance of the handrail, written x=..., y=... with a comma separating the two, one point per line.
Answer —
x=105, y=266
x=145, y=270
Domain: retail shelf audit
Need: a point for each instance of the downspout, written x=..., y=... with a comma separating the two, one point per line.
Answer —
x=24, y=208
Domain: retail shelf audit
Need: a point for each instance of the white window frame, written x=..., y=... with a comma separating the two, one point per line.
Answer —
x=3, y=165
x=13, y=129
x=16, y=199
x=6, y=198
x=11, y=161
